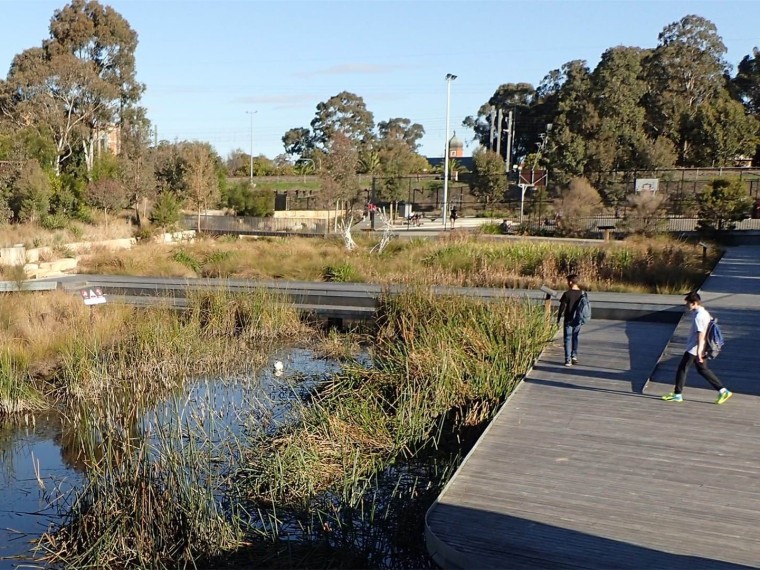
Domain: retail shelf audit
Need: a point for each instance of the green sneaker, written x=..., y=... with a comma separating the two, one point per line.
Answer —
x=723, y=397
x=672, y=397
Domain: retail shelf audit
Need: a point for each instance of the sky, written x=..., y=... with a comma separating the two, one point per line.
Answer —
x=239, y=74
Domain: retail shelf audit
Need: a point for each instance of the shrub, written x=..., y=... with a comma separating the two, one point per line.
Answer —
x=165, y=212
x=722, y=203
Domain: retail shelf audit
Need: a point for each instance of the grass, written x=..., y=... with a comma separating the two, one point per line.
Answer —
x=660, y=265
x=33, y=235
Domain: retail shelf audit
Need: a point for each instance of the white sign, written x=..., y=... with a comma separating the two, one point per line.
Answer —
x=92, y=296
x=647, y=184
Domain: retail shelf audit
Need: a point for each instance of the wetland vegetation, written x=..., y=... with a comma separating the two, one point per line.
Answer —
x=311, y=470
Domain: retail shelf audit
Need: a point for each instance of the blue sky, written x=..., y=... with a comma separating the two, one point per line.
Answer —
x=205, y=63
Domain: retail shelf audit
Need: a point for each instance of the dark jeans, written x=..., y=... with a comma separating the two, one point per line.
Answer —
x=683, y=367
x=571, y=341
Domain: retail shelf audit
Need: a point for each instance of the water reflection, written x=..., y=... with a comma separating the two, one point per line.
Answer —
x=43, y=458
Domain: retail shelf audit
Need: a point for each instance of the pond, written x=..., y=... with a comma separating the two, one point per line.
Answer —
x=41, y=460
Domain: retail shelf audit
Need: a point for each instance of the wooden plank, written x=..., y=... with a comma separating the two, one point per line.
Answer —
x=579, y=471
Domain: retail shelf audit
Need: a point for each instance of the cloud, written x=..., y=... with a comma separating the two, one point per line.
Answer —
x=351, y=69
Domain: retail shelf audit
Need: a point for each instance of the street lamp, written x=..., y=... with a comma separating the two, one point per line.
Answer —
x=251, y=113
x=444, y=215
x=523, y=188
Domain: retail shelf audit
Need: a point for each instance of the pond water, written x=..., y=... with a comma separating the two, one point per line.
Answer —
x=40, y=462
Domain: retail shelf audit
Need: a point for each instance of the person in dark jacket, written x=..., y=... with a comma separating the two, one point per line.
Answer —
x=568, y=305
x=453, y=217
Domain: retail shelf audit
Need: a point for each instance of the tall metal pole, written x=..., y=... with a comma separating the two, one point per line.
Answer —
x=445, y=212
x=250, y=166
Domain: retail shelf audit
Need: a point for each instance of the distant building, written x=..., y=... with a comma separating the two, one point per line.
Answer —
x=456, y=151
x=456, y=147
x=108, y=139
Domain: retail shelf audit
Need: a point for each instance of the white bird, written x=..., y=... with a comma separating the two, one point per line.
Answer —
x=278, y=367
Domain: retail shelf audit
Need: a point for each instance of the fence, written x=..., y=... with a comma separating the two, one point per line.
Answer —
x=262, y=226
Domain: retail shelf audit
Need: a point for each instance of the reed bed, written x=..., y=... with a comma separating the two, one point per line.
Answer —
x=161, y=348
x=663, y=265
x=151, y=500
x=342, y=481
x=156, y=479
x=434, y=358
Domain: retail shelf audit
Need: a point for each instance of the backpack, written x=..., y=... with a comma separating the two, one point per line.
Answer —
x=713, y=339
x=582, y=311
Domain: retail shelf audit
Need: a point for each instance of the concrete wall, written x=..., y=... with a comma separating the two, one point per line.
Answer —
x=35, y=268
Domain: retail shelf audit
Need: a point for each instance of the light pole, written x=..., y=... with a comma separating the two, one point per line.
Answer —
x=444, y=214
x=250, y=166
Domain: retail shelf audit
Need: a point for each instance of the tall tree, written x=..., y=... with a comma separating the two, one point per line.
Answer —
x=721, y=132
x=78, y=84
x=344, y=113
x=747, y=82
x=571, y=89
x=298, y=142
x=137, y=160
x=685, y=70
x=403, y=130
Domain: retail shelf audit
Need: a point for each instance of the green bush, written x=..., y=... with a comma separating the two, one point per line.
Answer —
x=341, y=273
x=165, y=212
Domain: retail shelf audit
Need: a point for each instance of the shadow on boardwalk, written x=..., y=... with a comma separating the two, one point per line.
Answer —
x=526, y=543
x=581, y=470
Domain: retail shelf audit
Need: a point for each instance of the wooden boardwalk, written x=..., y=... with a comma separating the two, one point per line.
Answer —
x=581, y=470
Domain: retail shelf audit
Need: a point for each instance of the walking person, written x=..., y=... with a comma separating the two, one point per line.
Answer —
x=453, y=217
x=568, y=310
x=696, y=347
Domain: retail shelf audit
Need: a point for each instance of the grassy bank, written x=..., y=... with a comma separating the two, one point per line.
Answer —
x=647, y=266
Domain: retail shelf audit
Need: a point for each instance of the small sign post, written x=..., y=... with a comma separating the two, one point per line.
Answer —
x=92, y=296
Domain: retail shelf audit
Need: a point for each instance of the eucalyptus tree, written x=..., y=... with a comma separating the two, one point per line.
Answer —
x=685, y=71
x=747, y=82
x=137, y=160
x=519, y=98
x=721, y=131
x=298, y=142
x=344, y=113
x=401, y=129
x=617, y=89
x=570, y=87
x=397, y=157
x=76, y=86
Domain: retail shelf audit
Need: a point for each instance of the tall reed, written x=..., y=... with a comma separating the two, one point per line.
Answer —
x=434, y=357
x=152, y=500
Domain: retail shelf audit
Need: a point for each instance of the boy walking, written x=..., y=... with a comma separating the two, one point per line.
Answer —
x=696, y=346
x=568, y=307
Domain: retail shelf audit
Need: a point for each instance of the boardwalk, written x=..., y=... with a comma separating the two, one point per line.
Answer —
x=582, y=470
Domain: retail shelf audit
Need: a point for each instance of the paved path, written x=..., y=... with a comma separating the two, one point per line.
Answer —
x=581, y=470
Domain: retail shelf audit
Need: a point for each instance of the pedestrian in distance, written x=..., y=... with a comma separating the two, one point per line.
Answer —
x=453, y=217
x=696, y=349
x=568, y=311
